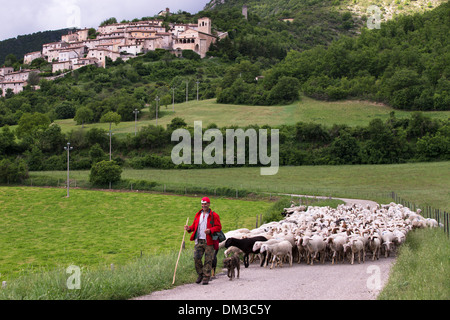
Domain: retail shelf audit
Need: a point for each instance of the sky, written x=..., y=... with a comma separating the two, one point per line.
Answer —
x=29, y=16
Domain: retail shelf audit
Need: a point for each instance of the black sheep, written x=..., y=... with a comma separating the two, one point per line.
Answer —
x=246, y=245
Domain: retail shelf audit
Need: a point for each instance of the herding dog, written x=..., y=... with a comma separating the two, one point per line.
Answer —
x=231, y=263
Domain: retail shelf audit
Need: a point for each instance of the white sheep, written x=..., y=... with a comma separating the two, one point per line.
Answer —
x=258, y=244
x=388, y=242
x=278, y=251
x=301, y=250
x=399, y=237
x=322, y=230
x=315, y=244
x=432, y=223
x=336, y=244
x=374, y=246
x=356, y=245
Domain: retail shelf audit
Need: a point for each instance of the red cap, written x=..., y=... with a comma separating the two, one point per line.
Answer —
x=205, y=200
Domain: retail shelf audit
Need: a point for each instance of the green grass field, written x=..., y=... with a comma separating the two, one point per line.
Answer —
x=42, y=228
x=352, y=113
x=421, y=183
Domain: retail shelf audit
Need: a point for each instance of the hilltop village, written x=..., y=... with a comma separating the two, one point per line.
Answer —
x=119, y=40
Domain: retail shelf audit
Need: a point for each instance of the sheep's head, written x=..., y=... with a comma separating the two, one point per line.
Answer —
x=257, y=245
x=346, y=246
x=305, y=241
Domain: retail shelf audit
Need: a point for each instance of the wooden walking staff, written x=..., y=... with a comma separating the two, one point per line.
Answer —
x=179, y=253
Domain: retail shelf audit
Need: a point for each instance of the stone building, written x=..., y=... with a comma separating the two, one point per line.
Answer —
x=126, y=40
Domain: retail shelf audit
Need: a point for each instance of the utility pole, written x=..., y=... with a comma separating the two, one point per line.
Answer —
x=173, y=99
x=197, y=88
x=68, y=148
x=136, y=111
x=187, y=86
x=157, y=104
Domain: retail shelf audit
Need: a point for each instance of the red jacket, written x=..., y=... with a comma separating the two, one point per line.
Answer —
x=217, y=226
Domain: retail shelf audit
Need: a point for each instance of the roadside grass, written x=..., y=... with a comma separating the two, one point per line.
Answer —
x=426, y=184
x=350, y=112
x=138, y=277
x=422, y=269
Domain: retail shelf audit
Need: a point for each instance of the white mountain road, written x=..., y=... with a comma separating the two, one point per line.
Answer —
x=341, y=281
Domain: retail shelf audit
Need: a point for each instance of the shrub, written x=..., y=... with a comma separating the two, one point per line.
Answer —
x=13, y=171
x=104, y=172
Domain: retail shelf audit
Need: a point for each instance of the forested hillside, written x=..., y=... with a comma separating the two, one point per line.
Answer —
x=24, y=44
x=405, y=63
x=296, y=8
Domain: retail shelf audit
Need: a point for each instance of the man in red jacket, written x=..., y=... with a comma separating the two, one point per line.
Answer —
x=206, y=223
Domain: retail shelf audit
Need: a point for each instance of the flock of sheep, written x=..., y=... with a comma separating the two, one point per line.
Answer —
x=327, y=234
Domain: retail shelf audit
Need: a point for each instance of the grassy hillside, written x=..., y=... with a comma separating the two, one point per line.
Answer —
x=350, y=112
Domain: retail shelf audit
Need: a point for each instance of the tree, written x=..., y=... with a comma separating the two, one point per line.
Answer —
x=96, y=153
x=13, y=171
x=30, y=124
x=10, y=60
x=176, y=123
x=7, y=141
x=108, y=21
x=65, y=110
x=111, y=117
x=33, y=78
x=432, y=147
x=345, y=149
x=83, y=114
x=189, y=54
x=384, y=144
x=51, y=139
x=105, y=172
x=285, y=91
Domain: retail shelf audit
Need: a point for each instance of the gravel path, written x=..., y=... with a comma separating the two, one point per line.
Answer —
x=300, y=282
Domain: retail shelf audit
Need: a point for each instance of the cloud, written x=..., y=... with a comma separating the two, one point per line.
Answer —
x=29, y=16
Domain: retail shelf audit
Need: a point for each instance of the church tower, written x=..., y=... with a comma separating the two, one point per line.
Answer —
x=204, y=25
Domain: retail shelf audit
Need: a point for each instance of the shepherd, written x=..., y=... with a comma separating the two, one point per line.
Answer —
x=206, y=223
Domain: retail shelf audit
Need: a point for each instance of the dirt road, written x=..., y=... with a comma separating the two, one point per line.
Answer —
x=299, y=282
